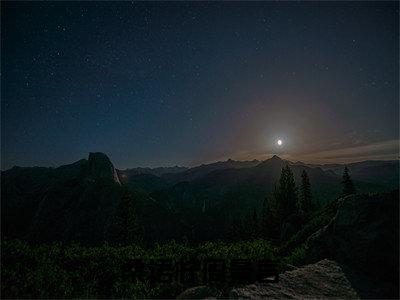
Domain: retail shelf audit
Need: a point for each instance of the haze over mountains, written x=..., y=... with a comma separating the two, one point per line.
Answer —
x=265, y=172
x=360, y=170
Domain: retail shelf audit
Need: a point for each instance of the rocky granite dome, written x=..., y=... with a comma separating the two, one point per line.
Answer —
x=71, y=202
x=100, y=166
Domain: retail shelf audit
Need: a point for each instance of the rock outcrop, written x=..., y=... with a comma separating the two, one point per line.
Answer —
x=100, y=166
x=355, y=256
x=201, y=292
x=364, y=236
x=322, y=280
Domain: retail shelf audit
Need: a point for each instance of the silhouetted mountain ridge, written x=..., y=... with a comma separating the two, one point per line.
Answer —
x=78, y=201
x=204, y=169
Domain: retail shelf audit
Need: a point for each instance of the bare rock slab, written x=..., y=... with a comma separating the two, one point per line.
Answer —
x=322, y=280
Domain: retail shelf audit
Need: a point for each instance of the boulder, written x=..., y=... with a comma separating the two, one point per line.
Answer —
x=322, y=280
x=200, y=292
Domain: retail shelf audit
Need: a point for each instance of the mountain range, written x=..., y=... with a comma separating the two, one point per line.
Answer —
x=80, y=201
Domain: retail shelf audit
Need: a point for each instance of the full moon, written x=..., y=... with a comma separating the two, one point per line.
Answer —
x=279, y=142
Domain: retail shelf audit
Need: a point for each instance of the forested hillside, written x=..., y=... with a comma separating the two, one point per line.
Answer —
x=88, y=216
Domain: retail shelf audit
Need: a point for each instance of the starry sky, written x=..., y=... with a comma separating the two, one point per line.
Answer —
x=168, y=83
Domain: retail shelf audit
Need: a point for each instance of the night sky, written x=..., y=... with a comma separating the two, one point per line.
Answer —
x=164, y=83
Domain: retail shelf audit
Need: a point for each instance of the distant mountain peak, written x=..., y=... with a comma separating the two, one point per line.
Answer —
x=274, y=160
x=275, y=157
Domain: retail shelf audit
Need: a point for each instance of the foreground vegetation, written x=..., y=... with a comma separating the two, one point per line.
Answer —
x=74, y=271
x=70, y=270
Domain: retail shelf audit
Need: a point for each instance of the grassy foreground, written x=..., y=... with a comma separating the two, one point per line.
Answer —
x=73, y=271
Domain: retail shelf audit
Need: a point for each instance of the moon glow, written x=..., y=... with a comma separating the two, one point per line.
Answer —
x=279, y=142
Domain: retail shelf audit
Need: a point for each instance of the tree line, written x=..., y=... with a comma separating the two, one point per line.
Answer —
x=289, y=208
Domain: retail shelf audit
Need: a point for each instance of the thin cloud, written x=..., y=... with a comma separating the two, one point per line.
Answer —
x=382, y=150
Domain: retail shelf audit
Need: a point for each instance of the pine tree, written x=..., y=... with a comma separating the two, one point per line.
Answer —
x=250, y=225
x=236, y=230
x=286, y=195
x=254, y=230
x=348, y=186
x=267, y=221
x=264, y=218
x=305, y=194
x=126, y=228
